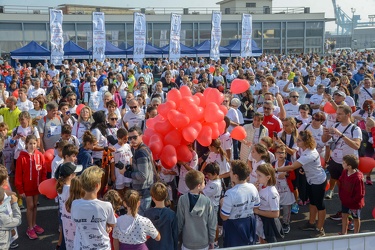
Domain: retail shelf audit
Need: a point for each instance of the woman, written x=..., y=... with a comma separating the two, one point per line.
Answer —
x=112, y=108
x=247, y=107
x=112, y=88
x=54, y=96
x=367, y=110
x=142, y=103
x=122, y=88
x=131, y=80
x=38, y=112
x=83, y=124
x=112, y=128
x=345, y=82
x=316, y=181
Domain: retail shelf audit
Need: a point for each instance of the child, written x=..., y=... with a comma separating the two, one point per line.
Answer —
x=122, y=158
x=195, y=215
x=168, y=176
x=213, y=189
x=218, y=155
x=284, y=186
x=268, y=225
x=58, y=159
x=259, y=155
x=114, y=198
x=75, y=192
x=226, y=140
x=66, y=134
x=112, y=129
x=30, y=172
x=351, y=192
x=132, y=229
x=239, y=220
x=84, y=154
x=64, y=174
x=8, y=221
x=268, y=142
x=8, y=151
x=185, y=167
x=163, y=218
x=92, y=216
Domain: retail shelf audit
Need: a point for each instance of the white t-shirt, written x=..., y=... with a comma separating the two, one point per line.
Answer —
x=269, y=198
x=124, y=154
x=55, y=163
x=213, y=190
x=102, y=142
x=25, y=106
x=291, y=110
x=240, y=200
x=6, y=95
x=182, y=188
x=226, y=141
x=254, y=165
x=316, y=100
x=302, y=94
x=134, y=119
x=223, y=164
x=233, y=116
x=363, y=95
x=91, y=218
x=33, y=93
x=310, y=160
x=78, y=130
x=317, y=134
x=286, y=196
x=134, y=231
x=63, y=197
x=95, y=99
x=281, y=84
x=21, y=145
x=34, y=113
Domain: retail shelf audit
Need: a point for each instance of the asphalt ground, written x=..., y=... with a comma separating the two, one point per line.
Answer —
x=47, y=218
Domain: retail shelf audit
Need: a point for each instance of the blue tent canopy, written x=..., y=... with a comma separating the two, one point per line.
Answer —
x=72, y=50
x=112, y=51
x=150, y=51
x=203, y=49
x=235, y=48
x=124, y=46
x=185, y=50
x=31, y=51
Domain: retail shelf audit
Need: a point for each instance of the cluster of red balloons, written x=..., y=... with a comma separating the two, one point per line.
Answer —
x=181, y=120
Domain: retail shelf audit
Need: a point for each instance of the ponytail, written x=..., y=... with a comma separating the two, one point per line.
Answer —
x=223, y=154
x=60, y=184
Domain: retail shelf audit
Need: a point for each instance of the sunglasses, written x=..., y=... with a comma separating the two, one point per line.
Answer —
x=316, y=119
x=135, y=137
x=133, y=107
x=295, y=96
x=72, y=99
x=265, y=108
x=92, y=85
x=113, y=119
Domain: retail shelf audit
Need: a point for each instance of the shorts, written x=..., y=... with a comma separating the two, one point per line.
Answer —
x=316, y=194
x=355, y=213
x=335, y=169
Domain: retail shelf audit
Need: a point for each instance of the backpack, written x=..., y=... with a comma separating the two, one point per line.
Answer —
x=365, y=148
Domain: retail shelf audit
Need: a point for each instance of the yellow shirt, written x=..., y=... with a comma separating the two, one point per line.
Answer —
x=11, y=118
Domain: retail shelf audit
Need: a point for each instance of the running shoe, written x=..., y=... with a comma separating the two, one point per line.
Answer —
x=38, y=229
x=318, y=233
x=308, y=227
x=13, y=245
x=336, y=216
x=368, y=181
x=31, y=234
x=286, y=228
x=295, y=208
x=329, y=194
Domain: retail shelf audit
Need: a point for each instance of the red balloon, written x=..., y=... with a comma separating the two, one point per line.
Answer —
x=15, y=93
x=197, y=126
x=224, y=109
x=48, y=188
x=328, y=108
x=221, y=89
x=195, y=81
x=48, y=158
x=79, y=108
x=194, y=112
x=328, y=186
x=177, y=119
x=173, y=138
x=189, y=134
x=213, y=95
x=366, y=164
x=221, y=127
x=202, y=99
x=164, y=108
x=212, y=69
x=373, y=213
x=150, y=122
x=183, y=153
x=185, y=102
x=197, y=100
x=215, y=129
x=163, y=127
x=212, y=113
x=149, y=132
x=239, y=86
x=169, y=156
x=156, y=145
x=146, y=140
x=174, y=95
x=205, y=136
x=185, y=91
x=238, y=133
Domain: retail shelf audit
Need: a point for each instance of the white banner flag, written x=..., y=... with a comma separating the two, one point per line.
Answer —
x=98, y=36
x=139, y=37
x=57, y=40
x=215, y=35
x=114, y=34
x=174, y=39
x=246, y=36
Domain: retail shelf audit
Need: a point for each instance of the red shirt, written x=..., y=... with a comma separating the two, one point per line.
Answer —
x=273, y=124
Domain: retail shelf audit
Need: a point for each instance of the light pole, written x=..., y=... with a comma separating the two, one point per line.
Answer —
x=353, y=11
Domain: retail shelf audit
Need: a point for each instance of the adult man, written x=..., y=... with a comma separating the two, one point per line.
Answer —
x=291, y=108
x=10, y=114
x=346, y=139
x=142, y=169
x=299, y=88
x=279, y=110
x=52, y=71
x=49, y=128
x=68, y=88
x=167, y=83
x=23, y=103
x=271, y=122
x=360, y=75
x=364, y=91
x=337, y=100
x=72, y=99
x=93, y=98
x=134, y=117
x=316, y=99
x=36, y=91
x=282, y=83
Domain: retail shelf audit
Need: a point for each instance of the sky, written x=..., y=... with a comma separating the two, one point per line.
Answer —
x=361, y=6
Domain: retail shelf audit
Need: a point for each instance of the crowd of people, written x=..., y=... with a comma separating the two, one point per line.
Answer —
x=307, y=119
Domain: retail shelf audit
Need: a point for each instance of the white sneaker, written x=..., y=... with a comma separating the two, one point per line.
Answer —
x=329, y=194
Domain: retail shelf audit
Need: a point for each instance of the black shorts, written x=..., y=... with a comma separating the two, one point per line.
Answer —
x=316, y=194
x=356, y=213
x=335, y=169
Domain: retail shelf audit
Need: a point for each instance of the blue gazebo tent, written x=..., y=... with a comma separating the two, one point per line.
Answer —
x=203, y=49
x=124, y=46
x=185, y=50
x=72, y=50
x=235, y=48
x=150, y=51
x=31, y=51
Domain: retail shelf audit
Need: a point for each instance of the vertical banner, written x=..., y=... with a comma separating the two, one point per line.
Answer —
x=139, y=37
x=174, y=39
x=57, y=40
x=114, y=36
x=246, y=36
x=215, y=35
x=89, y=39
x=98, y=36
x=163, y=38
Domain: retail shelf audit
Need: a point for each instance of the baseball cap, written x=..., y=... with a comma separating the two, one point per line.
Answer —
x=67, y=169
x=339, y=92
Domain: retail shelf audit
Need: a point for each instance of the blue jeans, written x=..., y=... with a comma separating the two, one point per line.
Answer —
x=145, y=201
